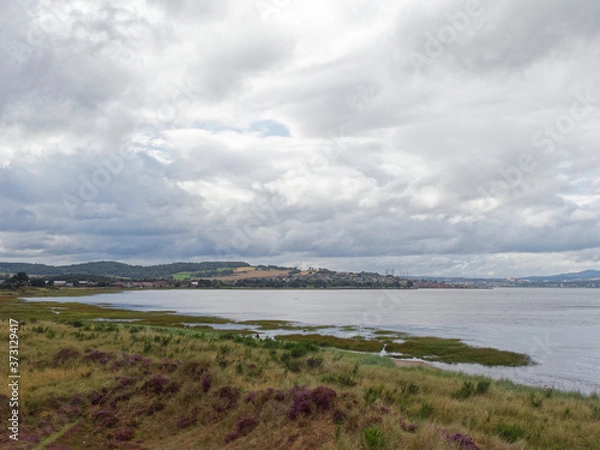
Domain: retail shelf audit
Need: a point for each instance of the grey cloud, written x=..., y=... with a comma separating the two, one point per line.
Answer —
x=141, y=116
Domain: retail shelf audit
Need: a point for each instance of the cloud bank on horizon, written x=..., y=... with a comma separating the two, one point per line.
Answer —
x=443, y=137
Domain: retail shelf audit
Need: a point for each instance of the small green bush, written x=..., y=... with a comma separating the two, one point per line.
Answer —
x=373, y=437
x=465, y=391
x=427, y=410
x=372, y=394
x=535, y=401
x=483, y=386
x=509, y=433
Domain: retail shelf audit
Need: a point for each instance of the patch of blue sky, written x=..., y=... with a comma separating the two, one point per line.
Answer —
x=270, y=128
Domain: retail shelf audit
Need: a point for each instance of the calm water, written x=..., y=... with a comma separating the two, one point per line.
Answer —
x=558, y=328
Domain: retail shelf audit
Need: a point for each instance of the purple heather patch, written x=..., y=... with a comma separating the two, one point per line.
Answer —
x=65, y=355
x=410, y=427
x=243, y=427
x=154, y=407
x=168, y=365
x=464, y=442
x=158, y=384
x=98, y=356
x=105, y=418
x=125, y=434
x=250, y=397
x=185, y=422
x=206, y=383
x=305, y=400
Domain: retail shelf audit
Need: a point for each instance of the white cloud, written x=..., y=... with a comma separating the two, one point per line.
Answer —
x=159, y=131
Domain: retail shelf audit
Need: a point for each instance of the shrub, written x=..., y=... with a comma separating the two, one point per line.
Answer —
x=227, y=398
x=373, y=437
x=314, y=362
x=185, y=422
x=168, y=365
x=243, y=427
x=65, y=355
x=411, y=389
x=126, y=382
x=158, y=384
x=154, y=407
x=98, y=397
x=372, y=394
x=509, y=433
x=194, y=368
x=342, y=380
x=534, y=401
x=323, y=398
x=465, y=391
x=463, y=442
x=125, y=434
x=410, y=427
x=426, y=411
x=300, y=406
x=338, y=416
x=105, y=418
x=306, y=402
x=482, y=387
x=206, y=383
x=250, y=397
x=98, y=356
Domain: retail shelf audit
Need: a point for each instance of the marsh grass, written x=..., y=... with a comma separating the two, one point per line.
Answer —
x=455, y=351
x=222, y=390
x=426, y=348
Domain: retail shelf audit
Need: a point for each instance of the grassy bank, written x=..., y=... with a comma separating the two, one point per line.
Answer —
x=426, y=348
x=61, y=292
x=103, y=385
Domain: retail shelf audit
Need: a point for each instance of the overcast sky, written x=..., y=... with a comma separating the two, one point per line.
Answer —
x=431, y=137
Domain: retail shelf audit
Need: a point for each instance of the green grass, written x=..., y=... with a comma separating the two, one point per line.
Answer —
x=455, y=351
x=280, y=325
x=426, y=348
x=389, y=334
x=358, y=345
x=71, y=311
x=62, y=292
x=171, y=388
x=180, y=276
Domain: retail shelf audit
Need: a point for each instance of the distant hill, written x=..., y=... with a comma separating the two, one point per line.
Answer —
x=117, y=269
x=572, y=276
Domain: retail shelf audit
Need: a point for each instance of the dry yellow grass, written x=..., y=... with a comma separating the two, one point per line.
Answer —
x=375, y=407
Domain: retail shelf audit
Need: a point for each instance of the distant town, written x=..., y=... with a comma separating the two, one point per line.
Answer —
x=236, y=274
